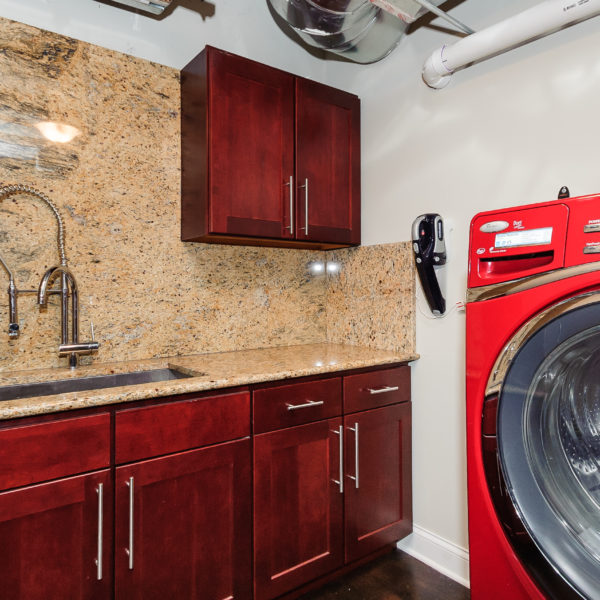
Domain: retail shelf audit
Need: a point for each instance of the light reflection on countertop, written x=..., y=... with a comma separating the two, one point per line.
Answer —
x=207, y=372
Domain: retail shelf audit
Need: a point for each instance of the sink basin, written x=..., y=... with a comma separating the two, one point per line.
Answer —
x=97, y=382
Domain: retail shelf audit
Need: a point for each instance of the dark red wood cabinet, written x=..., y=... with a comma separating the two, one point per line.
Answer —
x=183, y=516
x=327, y=164
x=333, y=491
x=52, y=536
x=298, y=508
x=56, y=508
x=180, y=498
x=378, y=491
x=268, y=158
x=183, y=525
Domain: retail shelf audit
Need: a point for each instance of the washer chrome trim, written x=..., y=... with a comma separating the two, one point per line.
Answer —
x=526, y=331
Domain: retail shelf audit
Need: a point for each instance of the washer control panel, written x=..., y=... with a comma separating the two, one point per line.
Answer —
x=583, y=235
x=518, y=242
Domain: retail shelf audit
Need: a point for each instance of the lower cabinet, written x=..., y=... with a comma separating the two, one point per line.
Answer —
x=333, y=491
x=183, y=525
x=298, y=508
x=176, y=498
x=378, y=487
x=56, y=540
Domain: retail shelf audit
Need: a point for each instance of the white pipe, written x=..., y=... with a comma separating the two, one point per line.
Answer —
x=536, y=22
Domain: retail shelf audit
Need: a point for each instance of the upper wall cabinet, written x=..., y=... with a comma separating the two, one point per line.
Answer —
x=268, y=158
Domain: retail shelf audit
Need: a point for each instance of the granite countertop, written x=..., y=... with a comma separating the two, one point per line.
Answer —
x=208, y=372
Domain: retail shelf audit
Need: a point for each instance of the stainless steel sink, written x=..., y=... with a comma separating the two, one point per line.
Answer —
x=97, y=382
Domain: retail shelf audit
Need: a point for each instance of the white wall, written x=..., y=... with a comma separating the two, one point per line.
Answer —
x=509, y=131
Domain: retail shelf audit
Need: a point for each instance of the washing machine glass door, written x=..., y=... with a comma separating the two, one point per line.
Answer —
x=549, y=441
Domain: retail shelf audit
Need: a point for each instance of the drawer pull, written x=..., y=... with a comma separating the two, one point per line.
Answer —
x=340, y=482
x=383, y=390
x=305, y=186
x=291, y=225
x=129, y=551
x=356, y=456
x=100, y=492
x=309, y=404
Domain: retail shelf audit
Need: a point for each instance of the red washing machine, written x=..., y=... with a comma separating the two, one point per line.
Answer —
x=533, y=402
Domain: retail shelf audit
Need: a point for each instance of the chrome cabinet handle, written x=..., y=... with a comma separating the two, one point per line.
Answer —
x=383, y=390
x=340, y=482
x=305, y=186
x=309, y=404
x=100, y=492
x=129, y=550
x=291, y=184
x=355, y=477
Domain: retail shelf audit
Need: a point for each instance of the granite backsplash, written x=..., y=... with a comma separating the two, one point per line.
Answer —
x=116, y=183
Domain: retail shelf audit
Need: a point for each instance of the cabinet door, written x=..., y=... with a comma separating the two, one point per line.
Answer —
x=183, y=525
x=327, y=164
x=251, y=147
x=51, y=536
x=298, y=529
x=378, y=478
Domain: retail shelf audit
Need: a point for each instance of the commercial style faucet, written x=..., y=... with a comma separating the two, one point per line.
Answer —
x=68, y=286
x=72, y=348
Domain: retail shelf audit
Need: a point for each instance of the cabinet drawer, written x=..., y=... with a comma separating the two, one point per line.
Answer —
x=180, y=425
x=377, y=388
x=296, y=403
x=35, y=453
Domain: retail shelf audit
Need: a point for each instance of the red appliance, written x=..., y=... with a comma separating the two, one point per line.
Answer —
x=533, y=401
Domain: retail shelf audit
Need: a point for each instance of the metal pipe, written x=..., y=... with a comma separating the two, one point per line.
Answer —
x=444, y=15
x=538, y=21
x=8, y=271
x=355, y=29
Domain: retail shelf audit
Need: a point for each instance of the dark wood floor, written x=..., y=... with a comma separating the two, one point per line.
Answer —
x=395, y=576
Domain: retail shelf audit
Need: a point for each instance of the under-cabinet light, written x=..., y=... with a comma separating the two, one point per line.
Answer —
x=316, y=267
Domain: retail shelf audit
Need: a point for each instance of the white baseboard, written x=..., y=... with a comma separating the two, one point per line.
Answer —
x=443, y=556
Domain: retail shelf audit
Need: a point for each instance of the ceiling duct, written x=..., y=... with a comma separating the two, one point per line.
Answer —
x=155, y=7
x=363, y=31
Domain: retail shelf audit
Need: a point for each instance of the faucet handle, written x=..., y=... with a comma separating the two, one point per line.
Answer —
x=13, y=330
x=78, y=348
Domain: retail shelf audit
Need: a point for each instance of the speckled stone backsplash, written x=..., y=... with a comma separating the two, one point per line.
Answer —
x=117, y=185
x=371, y=301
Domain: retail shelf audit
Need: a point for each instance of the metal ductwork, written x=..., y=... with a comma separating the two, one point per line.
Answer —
x=155, y=7
x=359, y=30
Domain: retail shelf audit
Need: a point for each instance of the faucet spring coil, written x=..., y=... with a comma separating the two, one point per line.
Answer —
x=12, y=189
